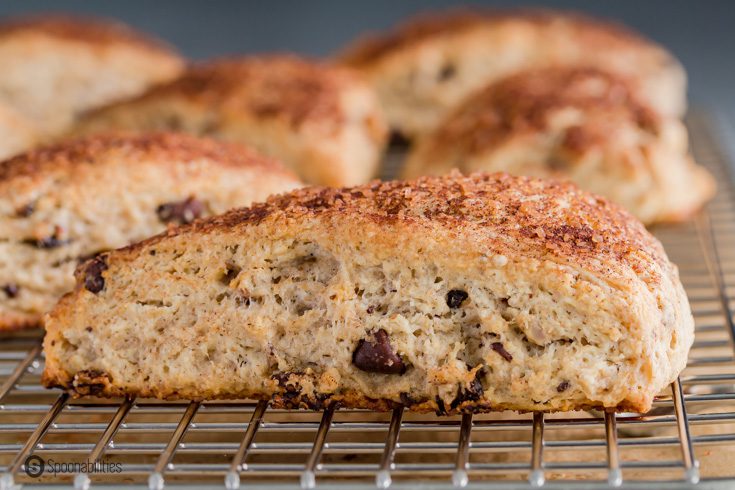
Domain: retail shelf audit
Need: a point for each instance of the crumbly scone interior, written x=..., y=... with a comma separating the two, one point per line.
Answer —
x=228, y=315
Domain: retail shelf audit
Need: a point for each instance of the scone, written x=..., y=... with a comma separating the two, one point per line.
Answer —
x=61, y=205
x=16, y=133
x=487, y=292
x=582, y=124
x=321, y=121
x=425, y=67
x=55, y=67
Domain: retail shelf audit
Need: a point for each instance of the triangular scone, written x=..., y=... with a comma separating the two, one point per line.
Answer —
x=578, y=123
x=60, y=205
x=426, y=66
x=485, y=292
x=56, y=66
x=324, y=122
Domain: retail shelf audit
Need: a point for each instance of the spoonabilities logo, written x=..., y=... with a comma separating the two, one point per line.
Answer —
x=34, y=466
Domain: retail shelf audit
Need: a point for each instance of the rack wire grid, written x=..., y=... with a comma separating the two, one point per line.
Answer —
x=687, y=439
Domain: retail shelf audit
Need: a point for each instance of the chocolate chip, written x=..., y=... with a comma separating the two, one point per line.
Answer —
x=377, y=356
x=456, y=297
x=473, y=392
x=52, y=241
x=293, y=397
x=500, y=349
x=11, y=290
x=295, y=400
x=563, y=386
x=181, y=212
x=90, y=382
x=93, y=280
x=318, y=401
x=398, y=141
x=89, y=389
x=406, y=399
x=25, y=211
x=440, y=408
x=447, y=71
x=283, y=379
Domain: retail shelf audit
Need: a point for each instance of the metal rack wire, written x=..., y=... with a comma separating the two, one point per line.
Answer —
x=155, y=444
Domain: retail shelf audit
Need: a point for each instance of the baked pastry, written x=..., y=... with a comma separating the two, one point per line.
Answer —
x=425, y=67
x=63, y=204
x=16, y=133
x=323, y=122
x=582, y=124
x=486, y=292
x=55, y=67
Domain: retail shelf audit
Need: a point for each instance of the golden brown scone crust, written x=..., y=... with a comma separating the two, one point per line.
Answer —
x=299, y=92
x=168, y=148
x=322, y=121
x=577, y=226
x=526, y=101
x=577, y=123
x=57, y=66
x=380, y=258
x=63, y=203
x=426, y=66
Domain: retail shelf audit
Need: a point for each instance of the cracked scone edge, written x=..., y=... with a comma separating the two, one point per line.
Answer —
x=62, y=203
x=607, y=323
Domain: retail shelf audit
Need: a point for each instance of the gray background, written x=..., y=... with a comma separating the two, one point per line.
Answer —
x=700, y=33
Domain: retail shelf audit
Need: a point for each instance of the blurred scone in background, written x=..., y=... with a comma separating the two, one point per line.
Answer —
x=577, y=123
x=57, y=66
x=427, y=65
x=63, y=204
x=322, y=121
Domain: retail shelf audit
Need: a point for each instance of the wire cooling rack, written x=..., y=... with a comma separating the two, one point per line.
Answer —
x=688, y=439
